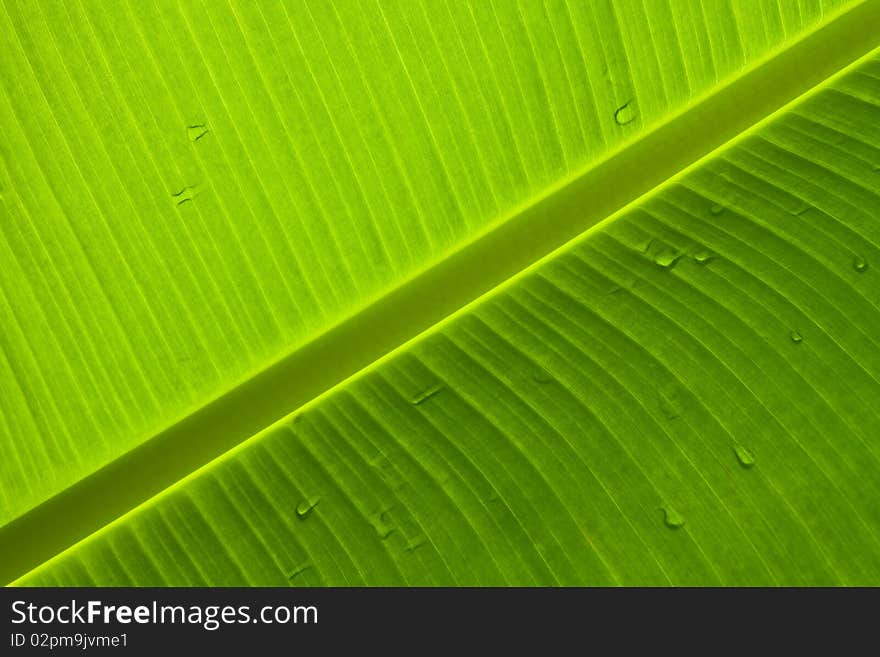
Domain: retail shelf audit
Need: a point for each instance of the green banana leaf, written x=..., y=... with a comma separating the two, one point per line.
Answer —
x=443, y=293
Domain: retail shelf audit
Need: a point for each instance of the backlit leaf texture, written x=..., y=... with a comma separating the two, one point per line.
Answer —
x=685, y=395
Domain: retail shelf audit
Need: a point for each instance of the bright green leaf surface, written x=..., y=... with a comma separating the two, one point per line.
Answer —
x=688, y=395
x=638, y=410
x=148, y=265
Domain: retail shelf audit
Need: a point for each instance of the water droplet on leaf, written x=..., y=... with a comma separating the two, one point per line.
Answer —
x=672, y=518
x=420, y=397
x=196, y=131
x=625, y=114
x=299, y=570
x=667, y=258
x=304, y=508
x=860, y=264
x=744, y=455
x=716, y=209
x=703, y=256
x=184, y=195
x=543, y=376
x=796, y=337
x=382, y=525
x=414, y=544
x=669, y=403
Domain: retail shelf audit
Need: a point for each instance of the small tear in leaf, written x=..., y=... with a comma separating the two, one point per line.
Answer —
x=860, y=264
x=796, y=337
